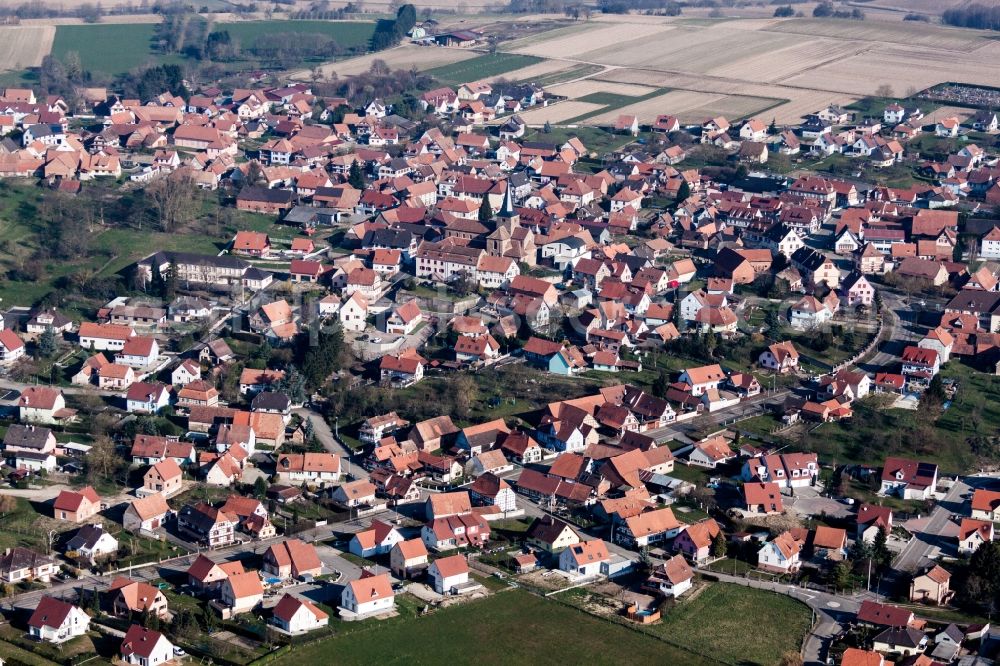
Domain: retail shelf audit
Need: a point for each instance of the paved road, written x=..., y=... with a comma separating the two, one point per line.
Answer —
x=917, y=552
x=325, y=436
x=750, y=407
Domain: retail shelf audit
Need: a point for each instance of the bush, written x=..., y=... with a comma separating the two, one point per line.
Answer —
x=784, y=12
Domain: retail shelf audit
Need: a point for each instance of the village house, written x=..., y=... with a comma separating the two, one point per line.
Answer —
x=379, y=539
x=292, y=558
x=449, y=575
x=370, y=595
x=240, y=593
x=134, y=596
x=933, y=586
x=76, y=506
x=585, y=559
x=408, y=558
x=780, y=555
x=145, y=647
x=57, y=621
x=671, y=578
x=294, y=615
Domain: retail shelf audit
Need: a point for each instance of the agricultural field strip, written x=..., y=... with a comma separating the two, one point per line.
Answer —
x=559, y=112
x=24, y=46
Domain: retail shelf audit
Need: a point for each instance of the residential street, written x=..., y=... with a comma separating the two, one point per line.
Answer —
x=920, y=549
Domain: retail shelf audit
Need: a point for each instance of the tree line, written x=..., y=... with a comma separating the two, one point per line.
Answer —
x=389, y=33
x=973, y=16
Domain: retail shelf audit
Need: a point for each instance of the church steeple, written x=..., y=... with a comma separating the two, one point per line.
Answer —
x=507, y=215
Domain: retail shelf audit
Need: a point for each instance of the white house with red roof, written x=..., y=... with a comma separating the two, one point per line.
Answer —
x=449, y=574
x=147, y=397
x=585, y=559
x=11, y=347
x=404, y=318
x=43, y=404
x=369, y=595
x=294, y=615
x=909, y=479
x=377, y=540
x=138, y=352
x=57, y=621
x=920, y=364
x=871, y=519
x=780, y=357
x=145, y=647
x=781, y=554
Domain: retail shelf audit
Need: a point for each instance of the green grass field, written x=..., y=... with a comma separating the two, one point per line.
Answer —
x=109, y=48
x=347, y=34
x=737, y=625
x=512, y=627
x=481, y=67
x=118, y=48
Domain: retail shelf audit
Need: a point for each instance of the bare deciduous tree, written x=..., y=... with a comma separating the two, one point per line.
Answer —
x=172, y=198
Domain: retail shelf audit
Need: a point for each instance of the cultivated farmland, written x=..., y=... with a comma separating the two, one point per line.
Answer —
x=783, y=68
x=348, y=34
x=483, y=67
x=559, y=112
x=401, y=57
x=24, y=46
x=111, y=48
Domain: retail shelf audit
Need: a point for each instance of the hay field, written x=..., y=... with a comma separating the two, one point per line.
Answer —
x=24, y=46
x=696, y=94
x=578, y=42
x=590, y=86
x=903, y=68
x=881, y=32
x=558, y=112
x=738, y=67
x=401, y=57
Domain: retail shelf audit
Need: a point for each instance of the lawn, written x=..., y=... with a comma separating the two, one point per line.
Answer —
x=736, y=624
x=22, y=527
x=512, y=627
x=110, y=48
x=111, y=248
x=594, y=139
x=481, y=67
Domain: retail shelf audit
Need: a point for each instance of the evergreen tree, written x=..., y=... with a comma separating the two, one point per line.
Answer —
x=719, y=545
x=156, y=282
x=880, y=549
x=47, y=345
x=485, y=211
x=661, y=384
x=773, y=127
x=355, y=177
x=683, y=192
x=842, y=575
x=170, y=282
x=293, y=384
x=980, y=588
x=260, y=488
